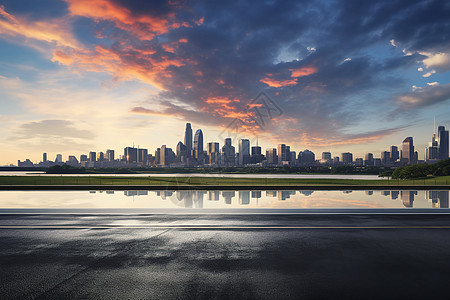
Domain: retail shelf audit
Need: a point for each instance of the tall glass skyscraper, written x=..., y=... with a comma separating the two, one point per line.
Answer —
x=408, y=150
x=198, y=145
x=188, y=139
x=244, y=151
x=443, y=142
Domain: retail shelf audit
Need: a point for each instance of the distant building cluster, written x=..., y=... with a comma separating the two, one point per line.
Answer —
x=192, y=153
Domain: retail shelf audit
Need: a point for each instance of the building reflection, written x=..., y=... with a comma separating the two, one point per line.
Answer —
x=439, y=199
x=228, y=195
x=283, y=195
x=408, y=198
x=306, y=193
x=244, y=197
x=196, y=199
x=394, y=195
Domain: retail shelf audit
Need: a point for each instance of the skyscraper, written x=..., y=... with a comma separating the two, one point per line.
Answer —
x=142, y=156
x=110, y=155
x=100, y=156
x=244, y=151
x=306, y=158
x=385, y=157
x=44, y=157
x=92, y=156
x=347, y=158
x=408, y=151
x=213, y=152
x=282, y=152
x=271, y=155
x=188, y=139
x=198, y=144
x=368, y=161
x=443, y=142
x=394, y=153
x=326, y=155
x=130, y=154
x=228, y=153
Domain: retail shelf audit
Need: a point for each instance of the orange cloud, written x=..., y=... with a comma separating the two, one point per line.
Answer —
x=168, y=48
x=278, y=83
x=305, y=71
x=143, y=26
x=132, y=65
x=183, y=40
x=56, y=31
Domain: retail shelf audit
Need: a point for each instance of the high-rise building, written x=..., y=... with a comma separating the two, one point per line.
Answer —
x=368, y=159
x=244, y=151
x=408, y=151
x=213, y=152
x=443, y=142
x=271, y=156
x=228, y=153
x=188, y=139
x=130, y=154
x=92, y=156
x=109, y=155
x=257, y=156
x=282, y=152
x=142, y=156
x=58, y=158
x=394, y=153
x=385, y=157
x=347, y=158
x=256, y=150
x=72, y=161
x=181, y=152
x=359, y=162
x=83, y=157
x=158, y=156
x=326, y=156
x=198, y=145
x=164, y=155
x=336, y=161
x=44, y=157
x=100, y=156
x=432, y=152
x=306, y=158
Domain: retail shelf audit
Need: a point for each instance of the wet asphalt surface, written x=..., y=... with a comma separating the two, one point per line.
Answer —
x=225, y=256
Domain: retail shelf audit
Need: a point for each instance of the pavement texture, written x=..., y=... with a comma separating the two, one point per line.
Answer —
x=224, y=256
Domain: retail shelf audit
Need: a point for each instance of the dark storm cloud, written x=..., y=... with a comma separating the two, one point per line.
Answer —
x=36, y=10
x=239, y=44
x=321, y=61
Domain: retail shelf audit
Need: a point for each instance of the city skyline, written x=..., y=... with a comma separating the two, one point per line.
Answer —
x=211, y=154
x=344, y=76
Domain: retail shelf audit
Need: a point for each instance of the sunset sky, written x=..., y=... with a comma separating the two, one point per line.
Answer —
x=84, y=75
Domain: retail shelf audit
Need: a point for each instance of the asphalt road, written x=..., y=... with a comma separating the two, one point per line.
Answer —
x=225, y=256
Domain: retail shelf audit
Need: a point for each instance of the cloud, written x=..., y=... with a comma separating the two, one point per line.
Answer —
x=278, y=83
x=438, y=61
x=55, y=31
x=304, y=71
x=431, y=94
x=202, y=62
x=51, y=128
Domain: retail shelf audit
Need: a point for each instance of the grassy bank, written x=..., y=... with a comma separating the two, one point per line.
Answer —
x=211, y=181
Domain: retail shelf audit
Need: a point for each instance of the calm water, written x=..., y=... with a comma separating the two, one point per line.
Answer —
x=166, y=199
x=323, y=176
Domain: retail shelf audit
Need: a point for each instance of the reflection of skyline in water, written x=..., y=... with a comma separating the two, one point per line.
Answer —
x=195, y=199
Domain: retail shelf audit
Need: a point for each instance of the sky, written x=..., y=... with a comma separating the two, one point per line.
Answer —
x=358, y=76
